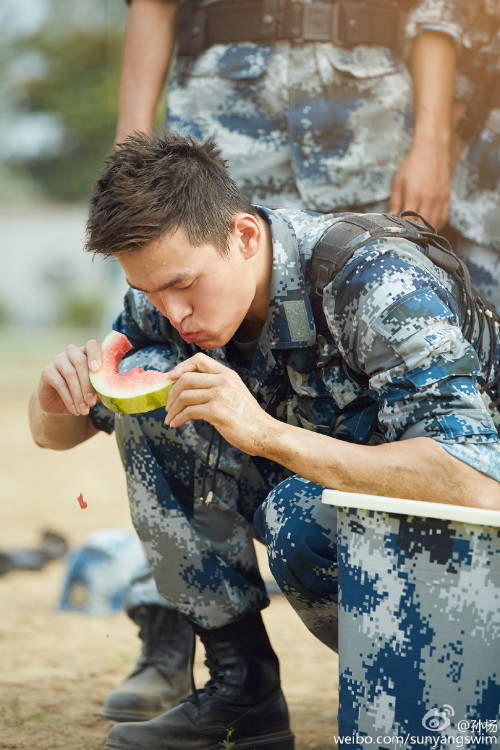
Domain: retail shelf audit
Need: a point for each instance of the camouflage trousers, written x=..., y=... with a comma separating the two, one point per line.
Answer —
x=419, y=631
x=413, y=607
x=192, y=498
x=198, y=535
x=483, y=263
x=297, y=128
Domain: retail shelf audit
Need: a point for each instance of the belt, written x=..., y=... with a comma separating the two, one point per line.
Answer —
x=344, y=22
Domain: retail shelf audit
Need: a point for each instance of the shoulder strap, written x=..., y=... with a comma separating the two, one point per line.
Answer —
x=339, y=243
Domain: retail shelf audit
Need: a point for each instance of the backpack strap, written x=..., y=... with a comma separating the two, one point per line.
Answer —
x=339, y=243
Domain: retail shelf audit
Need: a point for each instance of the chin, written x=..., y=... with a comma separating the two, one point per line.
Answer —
x=213, y=344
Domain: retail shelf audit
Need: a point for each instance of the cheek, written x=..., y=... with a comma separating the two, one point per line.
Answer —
x=155, y=300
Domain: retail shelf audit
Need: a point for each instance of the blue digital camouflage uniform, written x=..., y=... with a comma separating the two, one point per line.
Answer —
x=393, y=316
x=306, y=125
x=394, y=320
x=419, y=623
x=475, y=198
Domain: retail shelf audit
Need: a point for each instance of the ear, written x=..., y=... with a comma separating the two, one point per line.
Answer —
x=247, y=232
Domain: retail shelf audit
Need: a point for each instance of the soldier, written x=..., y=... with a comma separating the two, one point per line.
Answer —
x=475, y=202
x=321, y=97
x=376, y=389
x=319, y=94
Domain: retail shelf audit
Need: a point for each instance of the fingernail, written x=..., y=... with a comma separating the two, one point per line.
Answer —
x=74, y=410
x=94, y=365
x=84, y=409
x=91, y=399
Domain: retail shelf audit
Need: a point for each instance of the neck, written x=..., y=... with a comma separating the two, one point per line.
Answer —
x=257, y=314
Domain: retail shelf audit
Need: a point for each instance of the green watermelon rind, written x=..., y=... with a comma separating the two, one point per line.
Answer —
x=112, y=394
x=136, y=404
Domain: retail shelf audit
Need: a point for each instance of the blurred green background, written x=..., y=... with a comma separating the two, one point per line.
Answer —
x=59, y=78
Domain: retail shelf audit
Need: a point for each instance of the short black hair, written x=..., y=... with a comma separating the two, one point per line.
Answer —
x=153, y=185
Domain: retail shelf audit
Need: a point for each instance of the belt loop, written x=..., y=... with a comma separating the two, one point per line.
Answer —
x=269, y=19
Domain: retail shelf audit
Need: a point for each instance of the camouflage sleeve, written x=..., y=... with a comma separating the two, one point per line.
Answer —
x=436, y=15
x=102, y=418
x=395, y=322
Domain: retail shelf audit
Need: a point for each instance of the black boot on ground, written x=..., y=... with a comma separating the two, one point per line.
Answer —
x=242, y=703
x=162, y=674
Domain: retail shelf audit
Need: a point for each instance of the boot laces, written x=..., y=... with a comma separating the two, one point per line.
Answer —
x=216, y=673
x=159, y=641
x=212, y=686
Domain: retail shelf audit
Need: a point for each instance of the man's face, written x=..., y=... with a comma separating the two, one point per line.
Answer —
x=204, y=295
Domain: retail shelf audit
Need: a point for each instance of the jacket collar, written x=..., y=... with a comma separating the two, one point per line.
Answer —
x=290, y=321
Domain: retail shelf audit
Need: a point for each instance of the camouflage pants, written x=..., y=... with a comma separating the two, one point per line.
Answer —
x=415, y=604
x=419, y=631
x=484, y=265
x=201, y=551
x=192, y=498
x=298, y=127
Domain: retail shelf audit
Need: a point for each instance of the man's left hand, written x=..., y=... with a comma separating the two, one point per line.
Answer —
x=422, y=184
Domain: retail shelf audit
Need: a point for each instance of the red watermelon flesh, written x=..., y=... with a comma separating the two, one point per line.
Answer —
x=131, y=392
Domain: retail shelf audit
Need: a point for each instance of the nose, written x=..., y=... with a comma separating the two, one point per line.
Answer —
x=174, y=307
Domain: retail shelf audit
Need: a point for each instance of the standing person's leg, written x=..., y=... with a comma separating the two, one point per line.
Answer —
x=161, y=676
x=484, y=265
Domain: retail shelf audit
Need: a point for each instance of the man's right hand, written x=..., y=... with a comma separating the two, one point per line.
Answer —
x=64, y=386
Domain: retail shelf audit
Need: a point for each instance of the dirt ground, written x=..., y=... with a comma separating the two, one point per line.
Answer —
x=58, y=667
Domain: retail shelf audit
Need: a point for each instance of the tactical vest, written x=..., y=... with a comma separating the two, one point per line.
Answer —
x=481, y=325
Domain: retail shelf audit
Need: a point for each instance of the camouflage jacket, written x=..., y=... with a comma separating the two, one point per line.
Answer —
x=396, y=364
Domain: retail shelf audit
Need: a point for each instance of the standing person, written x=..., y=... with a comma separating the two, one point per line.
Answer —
x=327, y=117
x=380, y=388
x=328, y=123
x=475, y=202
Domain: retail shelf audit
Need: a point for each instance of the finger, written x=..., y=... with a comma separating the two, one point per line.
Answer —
x=189, y=405
x=189, y=381
x=443, y=214
x=80, y=360
x=94, y=354
x=198, y=363
x=414, y=201
x=397, y=197
x=53, y=378
x=73, y=367
x=428, y=209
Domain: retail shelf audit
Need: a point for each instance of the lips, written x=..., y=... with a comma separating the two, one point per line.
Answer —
x=191, y=337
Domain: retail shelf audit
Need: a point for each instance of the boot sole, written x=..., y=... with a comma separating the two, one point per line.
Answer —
x=277, y=741
x=129, y=715
x=122, y=716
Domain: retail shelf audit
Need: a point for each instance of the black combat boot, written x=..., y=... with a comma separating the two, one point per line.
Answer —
x=242, y=703
x=162, y=674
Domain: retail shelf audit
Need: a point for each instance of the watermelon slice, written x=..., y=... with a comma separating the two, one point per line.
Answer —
x=130, y=392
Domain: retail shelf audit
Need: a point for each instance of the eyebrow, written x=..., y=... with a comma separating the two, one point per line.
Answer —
x=176, y=280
